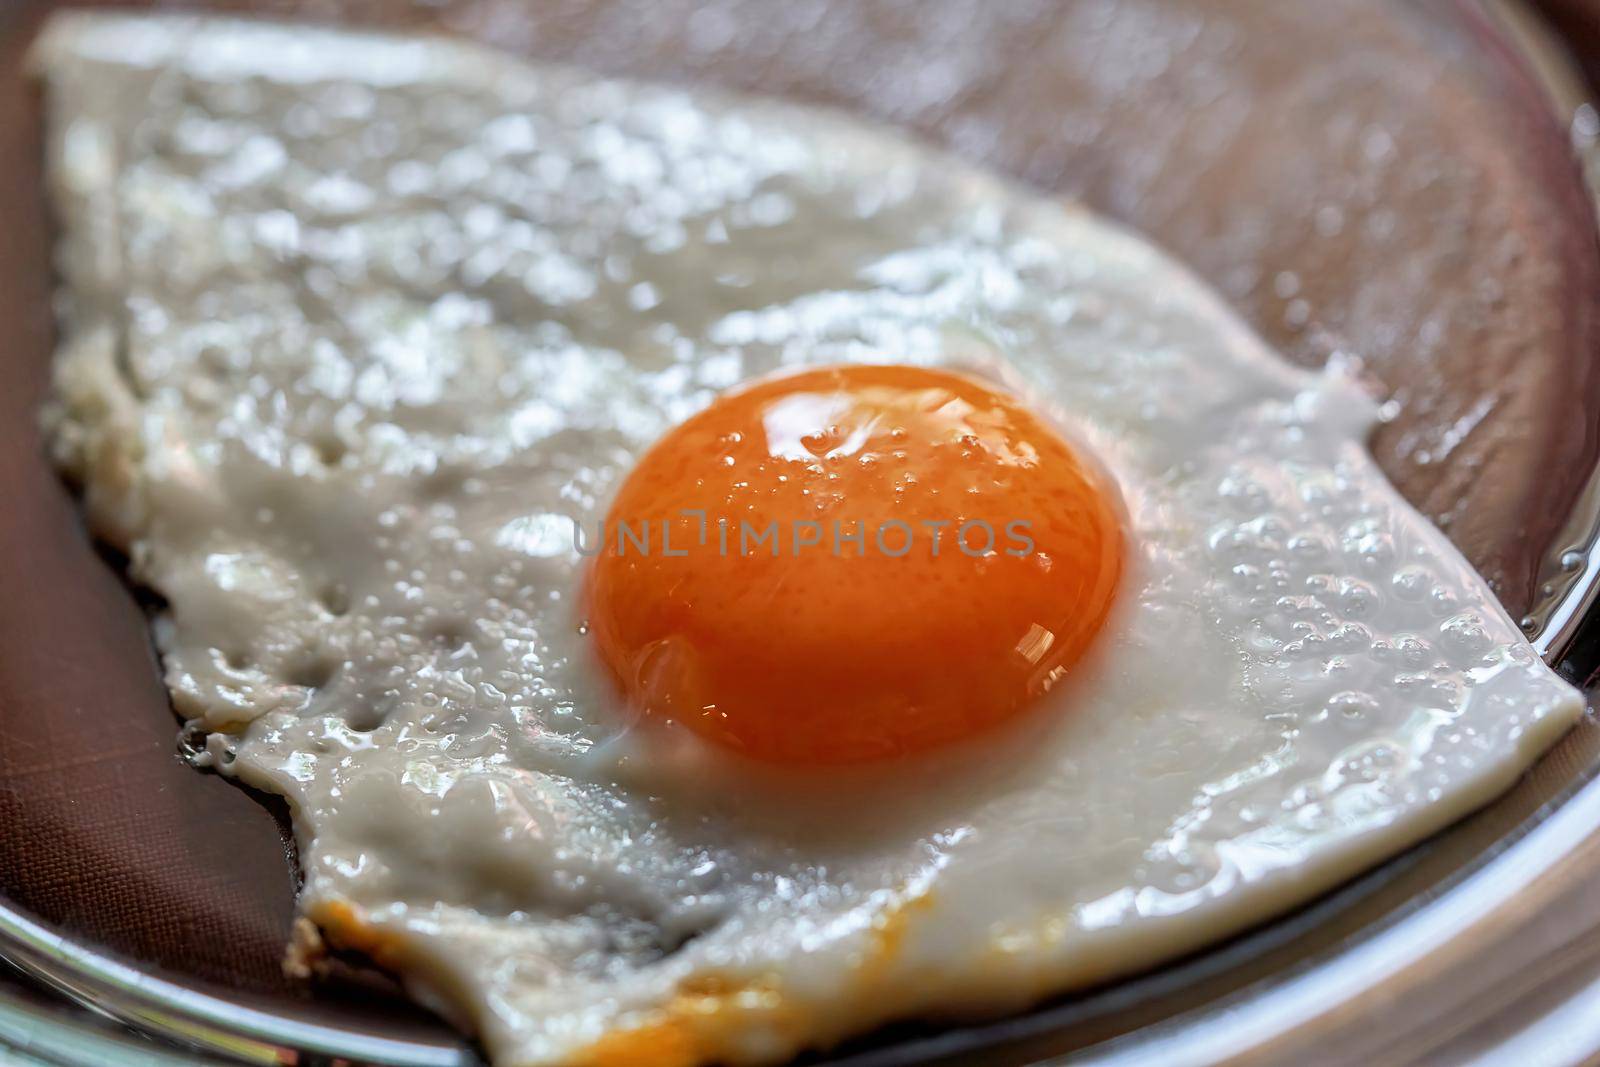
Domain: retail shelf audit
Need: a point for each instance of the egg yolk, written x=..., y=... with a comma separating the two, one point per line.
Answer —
x=851, y=564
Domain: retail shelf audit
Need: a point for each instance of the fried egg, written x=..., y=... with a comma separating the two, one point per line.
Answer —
x=372, y=347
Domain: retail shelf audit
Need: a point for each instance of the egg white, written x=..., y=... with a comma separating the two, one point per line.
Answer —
x=357, y=329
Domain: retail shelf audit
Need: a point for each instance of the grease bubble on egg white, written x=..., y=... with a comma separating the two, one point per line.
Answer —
x=356, y=329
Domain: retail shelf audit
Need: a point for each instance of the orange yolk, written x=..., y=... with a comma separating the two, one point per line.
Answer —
x=851, y=564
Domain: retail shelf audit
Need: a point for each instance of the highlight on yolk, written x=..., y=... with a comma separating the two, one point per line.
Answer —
x=853, y=563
